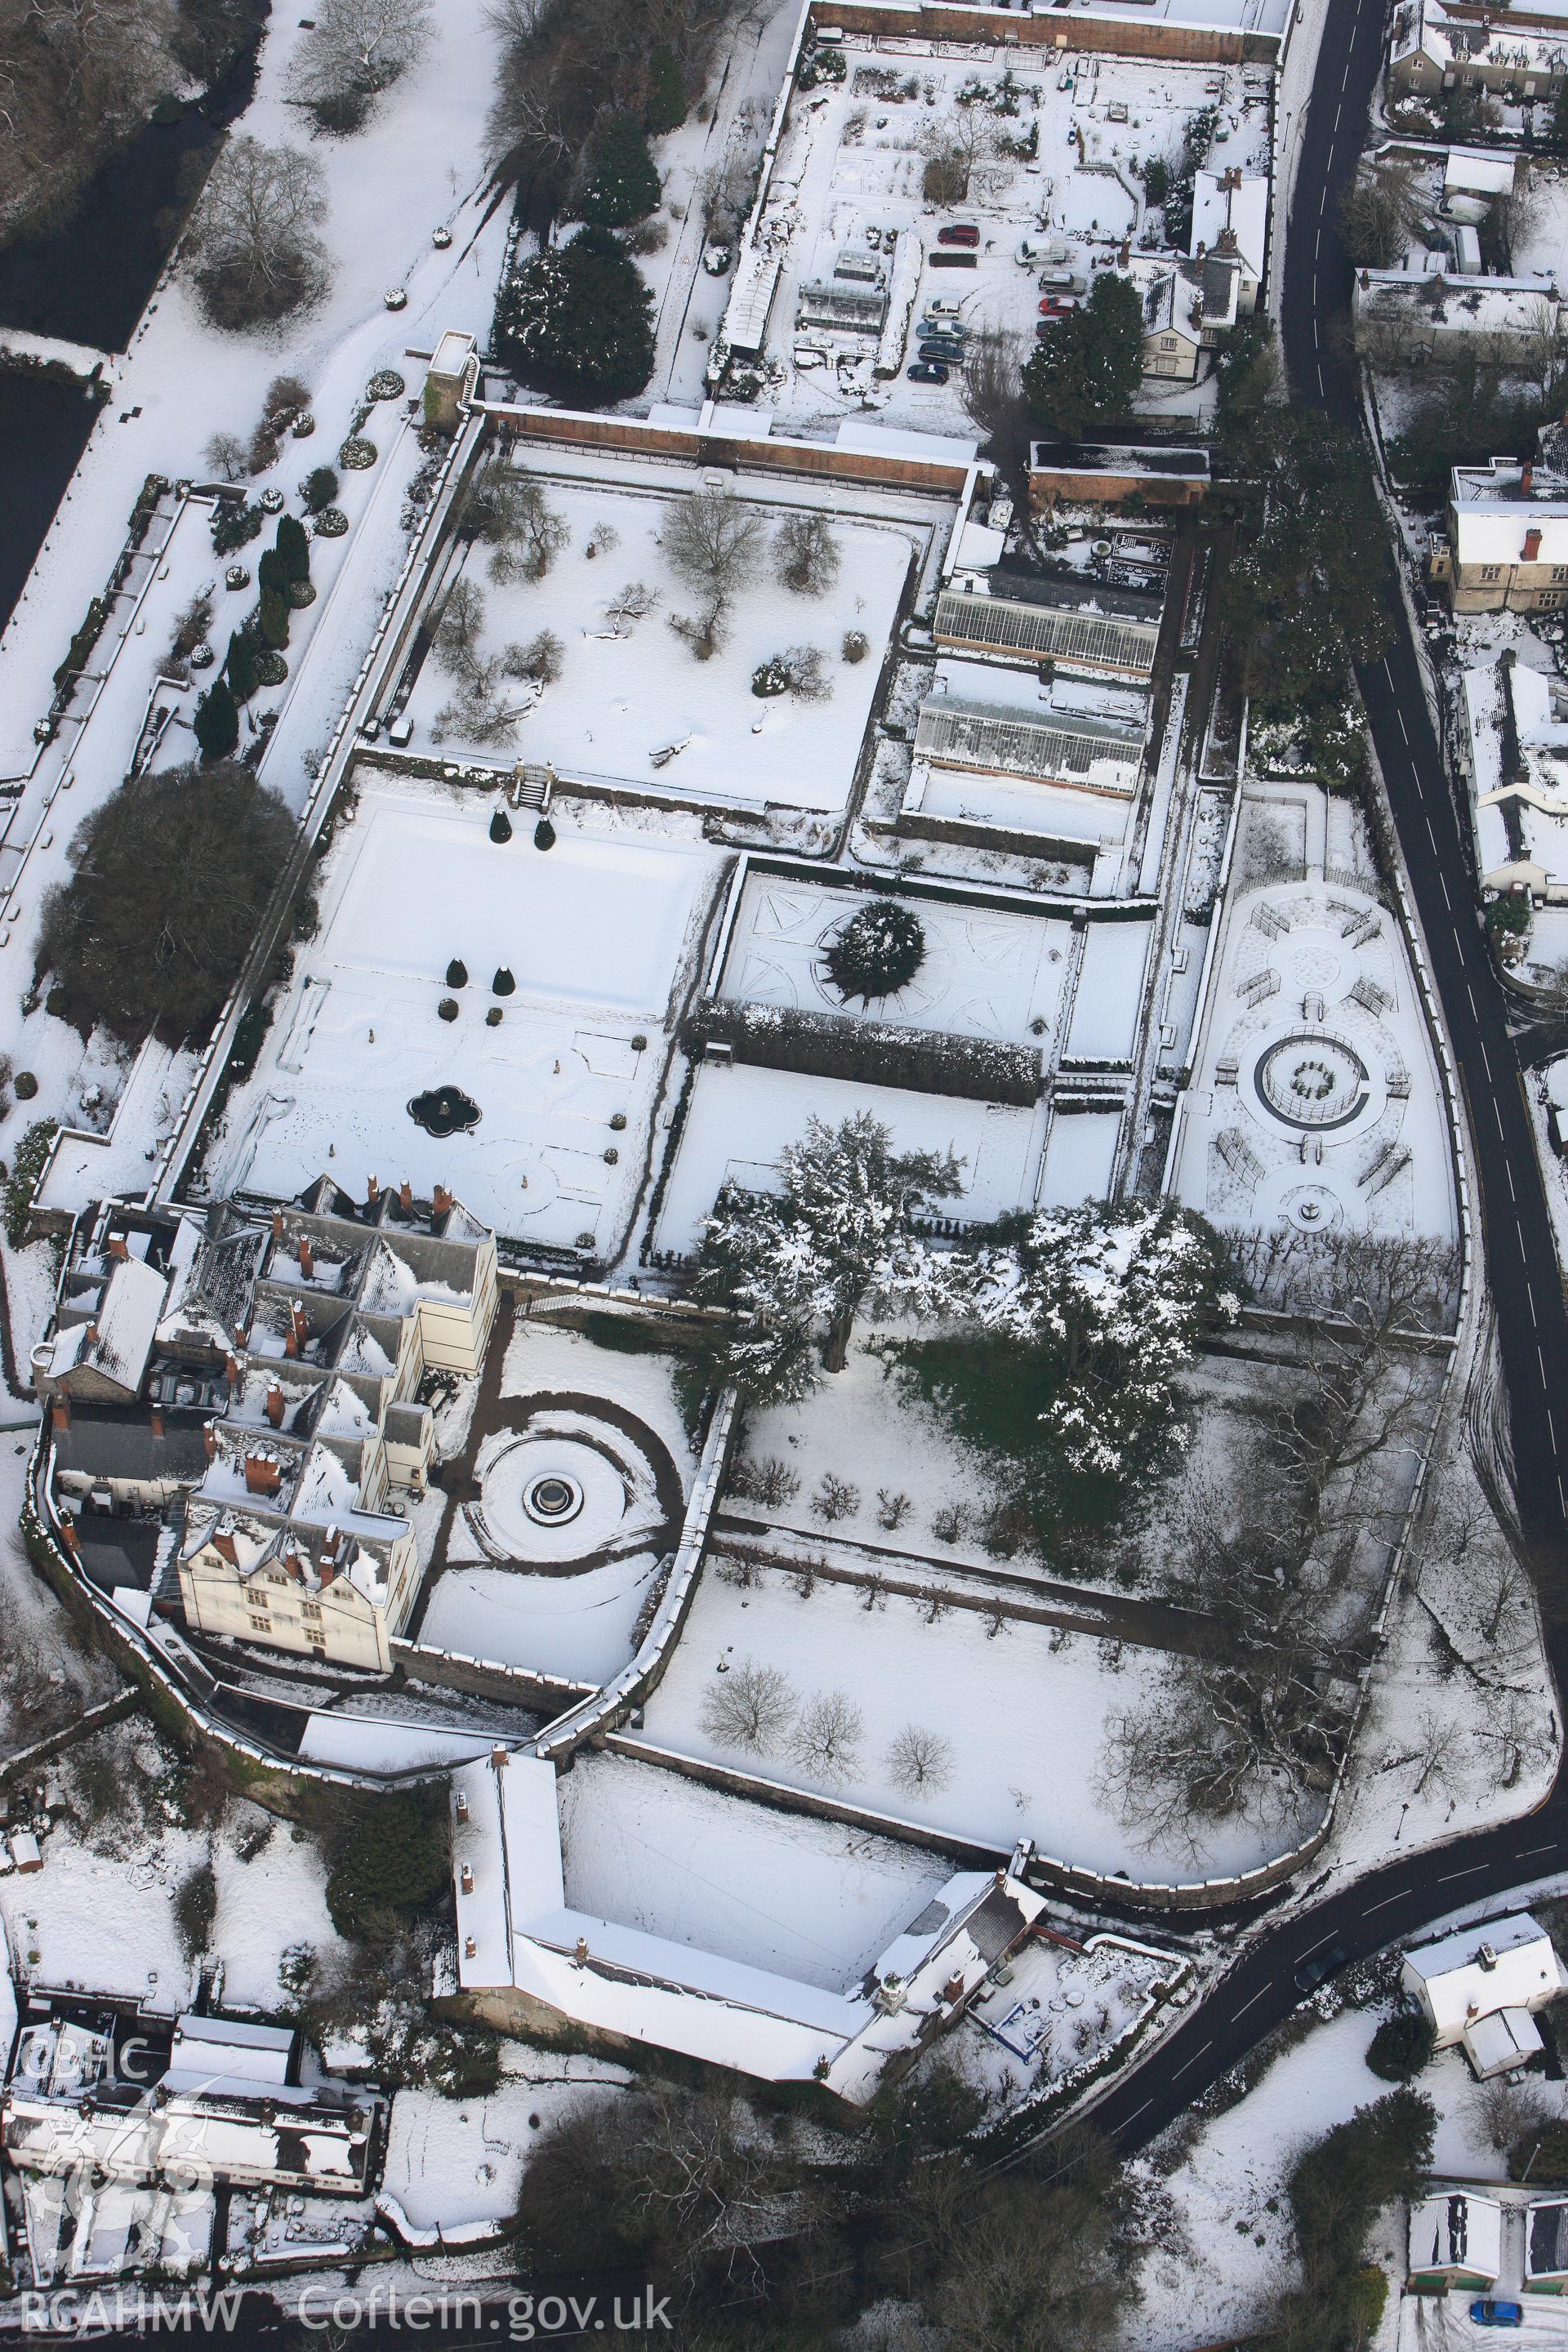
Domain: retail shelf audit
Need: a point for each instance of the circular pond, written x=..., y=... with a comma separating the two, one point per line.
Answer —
x=443, y=1111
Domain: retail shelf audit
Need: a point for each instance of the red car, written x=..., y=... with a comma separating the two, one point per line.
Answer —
x=958, y=233
x=1055, y=307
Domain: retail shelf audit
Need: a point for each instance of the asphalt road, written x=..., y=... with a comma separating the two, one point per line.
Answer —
x=1407, y=1892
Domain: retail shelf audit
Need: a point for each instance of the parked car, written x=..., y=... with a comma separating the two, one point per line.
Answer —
x=1319, y=1966
x=940, y=329
x=941, y=306
x=940, y=354
x=958, y=233
x=926, y=372
x=1057, y=306
x=1490, y=2312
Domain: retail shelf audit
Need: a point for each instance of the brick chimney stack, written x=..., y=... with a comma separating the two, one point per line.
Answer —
x=209, y=1439
x=262, y=1475
x=373, y=1192
x=92, y=1335
x=224, y=1545
x=117, y=1248
x=274, y=1407
x=231, y=1368
x=277, y=1225
x=306, y=1258
x=158, y=1423
x=61, y=1411
x=1527, y=479
x=440, y=1200
x=1531, y=547
x=298, y=1331
x=68, y=1532
x=406, y=1196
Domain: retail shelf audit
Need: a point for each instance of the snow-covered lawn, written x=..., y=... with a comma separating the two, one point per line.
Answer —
x=1108, y=1000
x=1022, y=1712
x=578, y=1626
x=630, y=691
x=807, y=1898
x=594, y=933
x=741, y=1118
x=456, y=2162
x=852, y=161
x=1080, y=1154
x=986, y=972
x=1058, y=2011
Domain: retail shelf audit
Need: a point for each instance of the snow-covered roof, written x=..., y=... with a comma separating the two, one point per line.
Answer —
x=1232, y=200
x=1502, y=2040
x=1455, y=2230
x=117, y=1338
x=1425, y=28
x=887, y=441
x=1496, y=533
x=1482, y=172
x=516, y=1929
x=1499, y=1964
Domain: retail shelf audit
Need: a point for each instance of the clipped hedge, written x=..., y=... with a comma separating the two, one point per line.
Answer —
x=26, y=1168
x=869, y=1053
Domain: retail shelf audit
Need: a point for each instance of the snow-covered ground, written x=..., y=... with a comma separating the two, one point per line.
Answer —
x=453, y=2163
x=1021, y=1711
x=1316, y=1099
x=741, y=1118
x=986, y=971
x=808, y=1899
x=595, y=933
x=634, y=703
x=849, y=175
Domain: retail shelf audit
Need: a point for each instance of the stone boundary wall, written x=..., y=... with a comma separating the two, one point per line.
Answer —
x=698, y=445
x=944, y=20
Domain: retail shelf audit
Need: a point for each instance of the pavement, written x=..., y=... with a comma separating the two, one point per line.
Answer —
x=1409, y=1892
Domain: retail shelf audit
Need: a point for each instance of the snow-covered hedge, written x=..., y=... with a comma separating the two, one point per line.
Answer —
x=874, y=1053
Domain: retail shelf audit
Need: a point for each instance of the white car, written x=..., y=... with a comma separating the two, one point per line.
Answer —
x=941, y=307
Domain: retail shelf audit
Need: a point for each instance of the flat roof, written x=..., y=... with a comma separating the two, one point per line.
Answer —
x=1076, y=591
x=1116, y=457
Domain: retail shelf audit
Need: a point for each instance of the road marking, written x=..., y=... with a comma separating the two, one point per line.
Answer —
x=1137, y=2112
x=1189, y=2062
x=1530, y=1851
x=1449, y=1877
x=1399, y=1895
x=1446, y=901
x=1255, y=1997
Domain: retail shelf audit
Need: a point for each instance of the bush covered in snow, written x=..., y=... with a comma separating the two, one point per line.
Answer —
x=580, y=314
x=870, y=1053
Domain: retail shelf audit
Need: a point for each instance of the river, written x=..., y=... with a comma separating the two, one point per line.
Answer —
x=88, y=281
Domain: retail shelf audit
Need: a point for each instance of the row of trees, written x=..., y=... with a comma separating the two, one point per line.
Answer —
x=571, y=67
x=690, y=2186
x=1285, y=1574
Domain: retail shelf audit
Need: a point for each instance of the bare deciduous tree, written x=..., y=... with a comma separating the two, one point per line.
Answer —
x=75, y=76
x=630, y=604
x=806, y=553
x=992, y=383
x=353, y=49
x=827, y=1735
x=1505, y=2109
x=1380, y=211
x=712, y=540
x=508, y=509
x=918, y=1759
x=481, y=712
x=225, y=454
x=769, y=1481
x=752, y=1707
x=252, y=244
